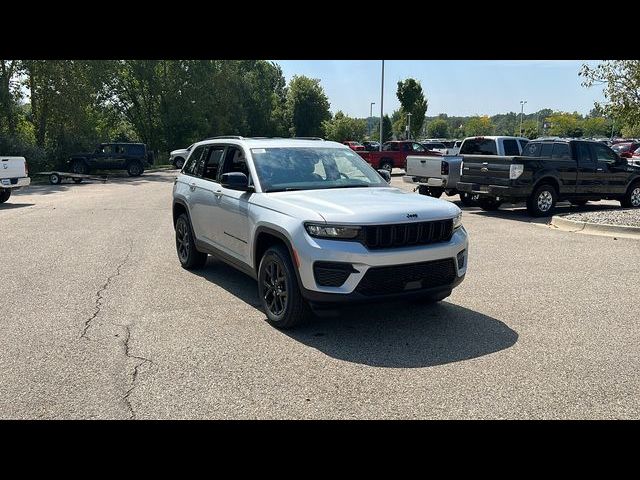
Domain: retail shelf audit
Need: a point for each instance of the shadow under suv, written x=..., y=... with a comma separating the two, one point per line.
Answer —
x=314, y=224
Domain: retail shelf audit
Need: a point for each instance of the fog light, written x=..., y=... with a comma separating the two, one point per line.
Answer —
x=461, y=260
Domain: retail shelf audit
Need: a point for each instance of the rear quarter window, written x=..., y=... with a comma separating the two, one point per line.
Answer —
x=511, y=147
x=561, y=151
x=532, y=150
x=479, y=146
x=137, y=150
x=546, y=150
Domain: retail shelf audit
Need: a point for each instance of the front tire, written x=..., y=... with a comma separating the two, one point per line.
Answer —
x=489, y=204
x=135, y=169
x=279, y=290
x=543, y=201
x=387, y=165
x=190, y=258
x=631, y=199
x=4, y=195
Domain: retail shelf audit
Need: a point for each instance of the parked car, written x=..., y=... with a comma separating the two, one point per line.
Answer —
x=551, y=170
x=132, y=157
x=14, y=174
x=371, y=146
x=356, y=146
x=436, y=147
x=314, y=225
x=177, y=157
x=394, y=154
x=626, y=149
x=435, y=175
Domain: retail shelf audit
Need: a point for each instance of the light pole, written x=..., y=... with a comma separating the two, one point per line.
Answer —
x=370, y=117
x=522, y=102
x=409, y=126
x=381, y=104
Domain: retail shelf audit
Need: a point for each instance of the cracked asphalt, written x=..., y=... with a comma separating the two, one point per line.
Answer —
x=99, y=321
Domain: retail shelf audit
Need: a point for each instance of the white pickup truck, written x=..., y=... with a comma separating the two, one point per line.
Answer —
x=14, y=173
x=434, y=176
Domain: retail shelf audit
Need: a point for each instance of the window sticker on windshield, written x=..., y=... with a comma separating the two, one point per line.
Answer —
x=258, y=150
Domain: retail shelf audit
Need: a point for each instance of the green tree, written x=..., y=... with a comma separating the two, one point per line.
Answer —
x=478, y=126
x=307, y=106
x=438, y=129
x=387, y=130
x=621, y=82
x=412, y=100
x=342, y=127
x=563, y=124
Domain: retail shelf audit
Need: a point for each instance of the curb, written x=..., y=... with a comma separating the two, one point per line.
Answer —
x=595, y=228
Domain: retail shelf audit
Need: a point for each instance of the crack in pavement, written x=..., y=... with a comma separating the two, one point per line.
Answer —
x=134, y=373
x=99, y=297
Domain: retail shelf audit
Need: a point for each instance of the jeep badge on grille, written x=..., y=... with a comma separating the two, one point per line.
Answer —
x=412, y=215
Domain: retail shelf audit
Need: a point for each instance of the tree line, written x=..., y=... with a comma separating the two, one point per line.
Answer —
x=50, y=109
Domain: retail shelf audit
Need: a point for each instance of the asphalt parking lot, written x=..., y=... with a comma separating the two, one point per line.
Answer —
x=100, y=321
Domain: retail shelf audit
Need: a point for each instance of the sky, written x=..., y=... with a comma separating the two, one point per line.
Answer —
x=454, y=87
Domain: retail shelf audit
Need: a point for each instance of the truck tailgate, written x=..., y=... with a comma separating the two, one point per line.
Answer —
x=12, y=167
x=486, y=169
x=421, y=166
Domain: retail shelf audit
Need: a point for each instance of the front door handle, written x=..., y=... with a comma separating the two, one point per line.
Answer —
x=599, y=170
x=192, y=187
x=218, y=193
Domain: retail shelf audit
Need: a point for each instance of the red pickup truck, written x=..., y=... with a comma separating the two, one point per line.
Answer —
x=394, y=154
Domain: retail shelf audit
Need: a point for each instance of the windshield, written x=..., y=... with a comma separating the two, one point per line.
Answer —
x=312, y=168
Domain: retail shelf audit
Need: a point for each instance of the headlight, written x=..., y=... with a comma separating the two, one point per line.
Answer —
x=515, y=170
x=457, y=221
x=331, y=231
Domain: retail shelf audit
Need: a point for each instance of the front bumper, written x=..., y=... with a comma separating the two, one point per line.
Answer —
x=16, y=183
x=506, y=191
x=310, y=250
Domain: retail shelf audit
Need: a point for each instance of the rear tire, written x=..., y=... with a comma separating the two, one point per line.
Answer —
x=489, y=204
x=135, y=169
x=190, y=258
x=387, y=165
x=543, y=201
x=80, y=167
x=4, y=195
x=434, y=192
x=631, y=199
x=279, y=290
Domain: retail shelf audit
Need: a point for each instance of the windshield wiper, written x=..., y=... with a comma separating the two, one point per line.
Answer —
x=288, y=189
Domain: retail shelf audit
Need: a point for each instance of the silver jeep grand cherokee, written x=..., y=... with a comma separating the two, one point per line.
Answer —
x=314, y=224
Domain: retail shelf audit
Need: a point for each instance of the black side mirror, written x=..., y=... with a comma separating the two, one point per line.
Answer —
x=236, y=181
x=385, y=174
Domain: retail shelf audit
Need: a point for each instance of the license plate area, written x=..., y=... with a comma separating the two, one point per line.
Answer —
x=6, y=181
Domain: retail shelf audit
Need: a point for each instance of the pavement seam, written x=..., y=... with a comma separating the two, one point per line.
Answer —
x=99, y=293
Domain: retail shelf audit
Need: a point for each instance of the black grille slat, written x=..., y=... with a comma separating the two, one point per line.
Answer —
x=394, y=279
x=405, y=234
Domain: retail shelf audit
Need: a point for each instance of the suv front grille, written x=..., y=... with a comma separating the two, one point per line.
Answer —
x=406, y=234
x=413, y=276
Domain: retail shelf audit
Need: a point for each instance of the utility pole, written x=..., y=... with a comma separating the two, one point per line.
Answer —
x=381, y=104
x=409, y=126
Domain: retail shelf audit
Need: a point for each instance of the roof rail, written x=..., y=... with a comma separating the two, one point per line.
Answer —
x=235, y=137
x=308, y=138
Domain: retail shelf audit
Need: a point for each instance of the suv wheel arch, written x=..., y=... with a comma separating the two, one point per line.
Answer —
x=262, y=243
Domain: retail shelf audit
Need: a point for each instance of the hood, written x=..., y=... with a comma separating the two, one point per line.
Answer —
x=180, y=151
x=366, y=205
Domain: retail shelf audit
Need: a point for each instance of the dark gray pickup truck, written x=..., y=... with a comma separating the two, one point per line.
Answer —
x=550, y=170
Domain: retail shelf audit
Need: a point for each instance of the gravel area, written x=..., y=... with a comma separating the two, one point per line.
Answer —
x=628, y=217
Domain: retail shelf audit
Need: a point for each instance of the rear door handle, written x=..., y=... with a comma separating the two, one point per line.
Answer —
x=423, y=161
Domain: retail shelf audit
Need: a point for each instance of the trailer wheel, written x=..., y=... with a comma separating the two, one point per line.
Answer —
x=55, y=179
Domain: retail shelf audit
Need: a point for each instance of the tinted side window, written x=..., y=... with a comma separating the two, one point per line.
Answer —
x=546, y=149
x=523, y=143
x=561, y=151
x=604, y=154
x=235, y=161
x=511, y=147
x=390, y=147
x=584, y=155
x=417, y=147
x=532, y=150
x=212, y=162
x=137, y=150
x=194, y=164
x=479, y=146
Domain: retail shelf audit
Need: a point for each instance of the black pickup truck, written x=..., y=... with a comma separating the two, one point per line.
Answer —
x=550, y=170
x=132, y=157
